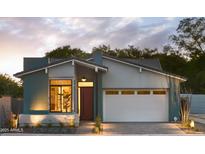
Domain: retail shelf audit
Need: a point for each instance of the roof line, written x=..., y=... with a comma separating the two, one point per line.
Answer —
x=144, y=67
x=60, y=63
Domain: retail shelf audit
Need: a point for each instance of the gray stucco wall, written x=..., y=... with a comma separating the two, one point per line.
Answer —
x=123, y=76
x=198, y=104
x=36, y=93
x=82, y=71
x=65, y=70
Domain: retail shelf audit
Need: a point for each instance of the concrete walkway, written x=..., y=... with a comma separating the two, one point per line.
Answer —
x=198, y=118
x=132, y=129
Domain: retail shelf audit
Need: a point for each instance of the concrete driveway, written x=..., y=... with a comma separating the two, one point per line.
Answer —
x=132, y=128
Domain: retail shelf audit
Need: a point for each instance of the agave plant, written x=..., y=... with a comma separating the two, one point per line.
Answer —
x=98, y=127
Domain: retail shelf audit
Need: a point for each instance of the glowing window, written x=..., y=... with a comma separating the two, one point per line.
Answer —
x=127, y=92
x=143, y=92
x=60, y=96
x=111, y=92
x=159, y=92
x=85, y=84
x=60, y=82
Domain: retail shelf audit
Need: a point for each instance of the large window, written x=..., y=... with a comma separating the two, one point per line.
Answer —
x=61, y=95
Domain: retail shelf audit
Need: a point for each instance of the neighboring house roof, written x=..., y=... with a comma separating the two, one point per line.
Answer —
x=149, y=68
x=153, y=63
x=60, y=62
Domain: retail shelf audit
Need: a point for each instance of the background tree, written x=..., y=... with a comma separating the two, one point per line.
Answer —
x=65, y=52
x=10, y=87
x=190, y=36
x=190, y=40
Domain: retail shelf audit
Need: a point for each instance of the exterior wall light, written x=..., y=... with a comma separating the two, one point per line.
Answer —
x=175, y=119
x=83, y=79
x=192, y=124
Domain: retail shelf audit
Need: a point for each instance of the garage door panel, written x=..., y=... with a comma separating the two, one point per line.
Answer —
x=135, y=108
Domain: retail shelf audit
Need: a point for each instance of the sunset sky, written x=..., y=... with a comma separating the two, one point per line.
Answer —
x=32, y=37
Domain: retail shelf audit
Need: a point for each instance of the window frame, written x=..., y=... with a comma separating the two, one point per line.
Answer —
x=69, y=85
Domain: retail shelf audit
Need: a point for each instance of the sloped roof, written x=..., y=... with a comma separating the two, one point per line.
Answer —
x=59, y=62
x=147, y=64
x=149, y=68
x=153, y=63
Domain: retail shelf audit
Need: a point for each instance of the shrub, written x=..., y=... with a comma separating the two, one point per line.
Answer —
x=71, y=123
x=185, y=110
x=98, y=128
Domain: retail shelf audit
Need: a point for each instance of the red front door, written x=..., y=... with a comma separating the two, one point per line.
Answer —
x=86, y=103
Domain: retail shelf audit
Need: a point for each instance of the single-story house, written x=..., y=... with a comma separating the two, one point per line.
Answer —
x=116, y=89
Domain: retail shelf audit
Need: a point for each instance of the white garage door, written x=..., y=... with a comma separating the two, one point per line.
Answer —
x=135, y=105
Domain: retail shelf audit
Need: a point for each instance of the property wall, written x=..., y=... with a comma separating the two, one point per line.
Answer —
x=197, y=103
x=36, y=93
x=5, y=110
x=123, y=76
x=17, y=105
x=65, y=70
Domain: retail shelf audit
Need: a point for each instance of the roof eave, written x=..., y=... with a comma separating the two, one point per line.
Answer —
x=20, y=74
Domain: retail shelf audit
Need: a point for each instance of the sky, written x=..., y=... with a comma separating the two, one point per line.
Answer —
x=33, y=37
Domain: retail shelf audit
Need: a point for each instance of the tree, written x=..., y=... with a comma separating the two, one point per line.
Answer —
x=191, y=36
x=105, y=49
x=10, y=87
x=66, y=51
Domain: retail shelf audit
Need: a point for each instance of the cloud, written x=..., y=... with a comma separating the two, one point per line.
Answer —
x=21, y=37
